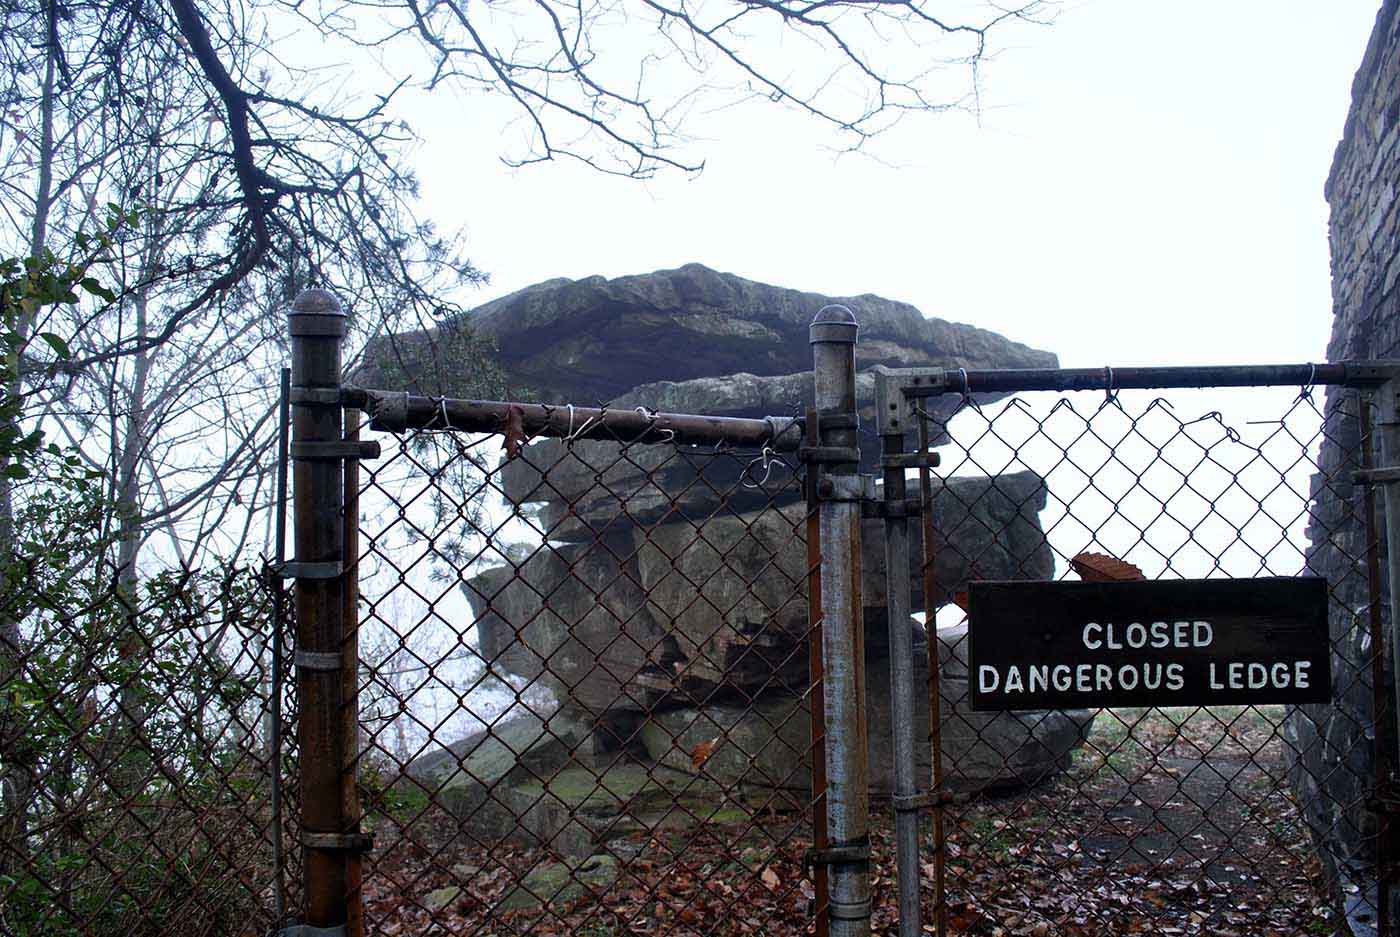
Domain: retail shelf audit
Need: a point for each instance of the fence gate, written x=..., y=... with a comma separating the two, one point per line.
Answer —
x=1146, y=820
x=603, y=670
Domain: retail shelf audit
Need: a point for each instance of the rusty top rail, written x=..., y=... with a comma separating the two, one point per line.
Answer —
x=394, y=411
x=1347, y=373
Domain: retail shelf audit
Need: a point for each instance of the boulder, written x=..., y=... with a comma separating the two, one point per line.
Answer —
x=767, y=744
x=574, y=617
x=684, y=608
x=733, y=594
x=590, y=340
x=475, y=777
x=984, y=528
x=1002, y=750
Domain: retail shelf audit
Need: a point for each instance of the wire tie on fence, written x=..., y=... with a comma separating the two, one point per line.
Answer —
x=766, y=457
x=573, y=433
x=1305, y=393
x=442, y=409
x=1110, y=393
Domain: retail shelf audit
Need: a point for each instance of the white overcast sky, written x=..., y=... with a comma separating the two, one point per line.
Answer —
x=1143, y=185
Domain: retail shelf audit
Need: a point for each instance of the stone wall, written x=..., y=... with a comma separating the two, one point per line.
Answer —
x=1331, y=745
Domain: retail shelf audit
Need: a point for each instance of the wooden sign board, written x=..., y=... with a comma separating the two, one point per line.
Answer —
x=1192, y=642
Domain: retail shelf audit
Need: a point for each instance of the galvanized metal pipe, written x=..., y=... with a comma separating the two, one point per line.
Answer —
x=317, y=325
x=935, y=689
x=1388, y=422
x=1378, y=703
x=1010, y=380
x=395, y=412
x=833, y=339
x=906, y=821
x=1388, y=411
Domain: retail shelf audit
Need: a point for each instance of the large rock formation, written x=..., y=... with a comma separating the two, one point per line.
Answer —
x=590, y=340
x=1331, y=746
x=642, y=609
x=664, y=602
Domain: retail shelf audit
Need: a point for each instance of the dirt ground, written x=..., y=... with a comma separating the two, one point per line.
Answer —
x=1169, y=822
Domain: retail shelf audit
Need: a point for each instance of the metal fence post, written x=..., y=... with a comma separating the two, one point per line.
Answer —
x=906, y=808
x=1388, y=476
x=317, y=324
x=833, y=338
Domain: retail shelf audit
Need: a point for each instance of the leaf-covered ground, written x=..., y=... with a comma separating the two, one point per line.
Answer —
x=1169, y=823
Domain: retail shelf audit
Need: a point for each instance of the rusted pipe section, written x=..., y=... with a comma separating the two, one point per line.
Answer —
x=833, y=338
x=906, y=820
x=317, y=325
x=395, y=412
x=350, y=684
x=816, y=702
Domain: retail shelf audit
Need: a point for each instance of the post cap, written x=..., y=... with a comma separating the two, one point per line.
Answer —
x=316, y=312
x=315, y=301
x=834, y=324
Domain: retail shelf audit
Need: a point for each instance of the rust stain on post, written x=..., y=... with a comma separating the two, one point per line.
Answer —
x=816, y=688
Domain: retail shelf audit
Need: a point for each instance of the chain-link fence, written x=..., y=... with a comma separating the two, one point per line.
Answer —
x=136, y=746
x=585, y=693
x=1192, y=820
x=564, y=669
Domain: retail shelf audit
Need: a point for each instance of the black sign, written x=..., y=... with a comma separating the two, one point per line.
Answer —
x=1193, y=642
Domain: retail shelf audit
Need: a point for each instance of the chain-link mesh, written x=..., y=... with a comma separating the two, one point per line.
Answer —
x=1155, y=821
x=135, y=748
x=584, y=687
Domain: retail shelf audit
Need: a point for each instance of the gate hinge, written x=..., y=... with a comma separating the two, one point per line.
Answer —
x=828, y=455
x=909, y=460
x=297, y=570
x=317, y=660
x=333, y=450
x=315, y=397
x=913, y=803
x=308, y=930
x=339, y=842
x=878, y=510
x=1375, y=476
x=849, y=910
x=853, y=853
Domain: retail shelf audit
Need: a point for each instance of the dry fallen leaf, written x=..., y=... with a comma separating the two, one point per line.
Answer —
x=770, y=878
x=701, y=752
x=1100, y=567
x=515, y=431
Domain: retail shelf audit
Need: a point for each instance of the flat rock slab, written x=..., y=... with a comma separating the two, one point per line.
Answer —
x=591, y=340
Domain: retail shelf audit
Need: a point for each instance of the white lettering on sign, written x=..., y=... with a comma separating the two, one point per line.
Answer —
x=1082, y=678
x=1136, y=636
x=1256, y=675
